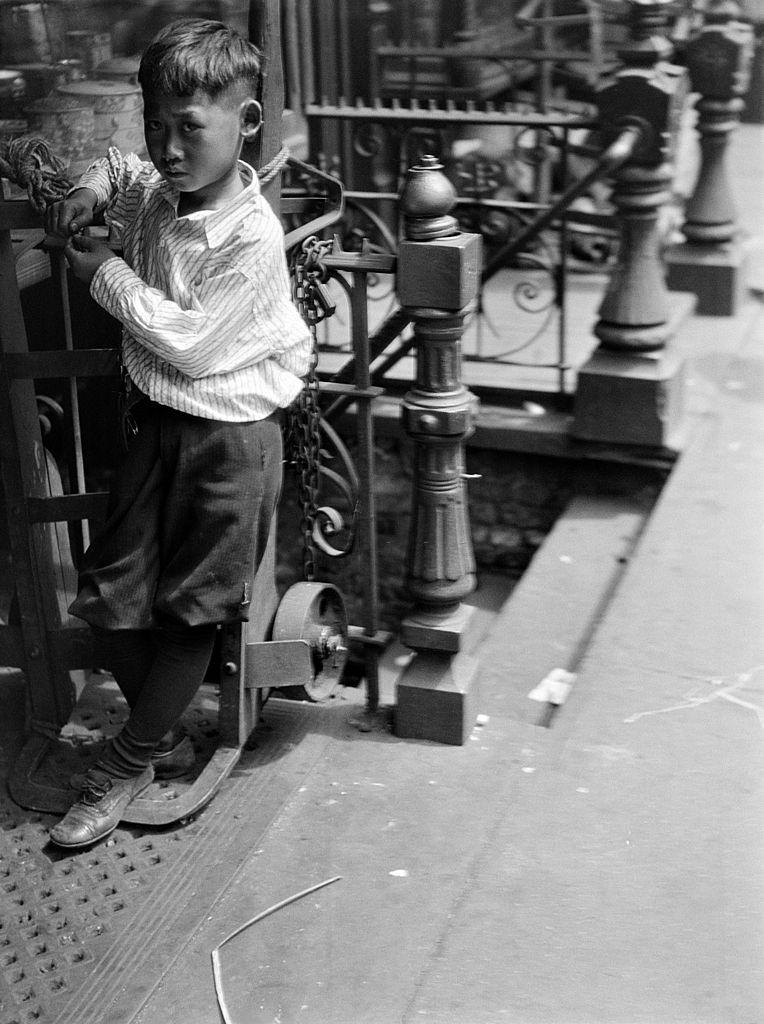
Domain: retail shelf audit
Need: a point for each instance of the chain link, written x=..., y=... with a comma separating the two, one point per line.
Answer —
x=304, y=417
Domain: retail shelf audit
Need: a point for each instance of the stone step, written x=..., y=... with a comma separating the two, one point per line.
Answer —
x=553, y=612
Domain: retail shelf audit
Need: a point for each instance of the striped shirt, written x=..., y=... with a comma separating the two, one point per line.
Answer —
x=209, y=327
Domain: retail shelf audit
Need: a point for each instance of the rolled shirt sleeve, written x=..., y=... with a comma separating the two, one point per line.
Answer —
x=215, y=335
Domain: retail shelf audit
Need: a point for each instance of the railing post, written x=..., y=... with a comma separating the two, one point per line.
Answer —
x=438, y=276
x=629, y=392
x=711, y=262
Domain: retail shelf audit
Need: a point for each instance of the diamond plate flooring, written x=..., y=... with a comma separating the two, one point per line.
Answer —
x=85, y=936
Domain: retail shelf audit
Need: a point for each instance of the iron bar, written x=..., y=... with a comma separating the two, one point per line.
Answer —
x=74, y=399
x=536, y=56
x=497, y=204
x=390, y=329
x=450, y=114
x=332, y=387
x=561, y=284
x=342, y=404
x=344, y=47
x=367, y=528
x=542, y=176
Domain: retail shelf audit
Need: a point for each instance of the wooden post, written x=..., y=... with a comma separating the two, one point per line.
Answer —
x=711, y=262
x=438, y=275
x=24, y=472
x=629, y=392
x=265, y=32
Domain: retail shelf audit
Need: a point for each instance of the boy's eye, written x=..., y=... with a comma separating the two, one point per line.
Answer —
x=189, y=127
x=152, y=126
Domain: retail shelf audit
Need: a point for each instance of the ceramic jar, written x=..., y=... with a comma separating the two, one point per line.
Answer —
x=118, y=113
x=67, y=124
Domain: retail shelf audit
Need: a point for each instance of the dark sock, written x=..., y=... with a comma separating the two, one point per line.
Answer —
x=128, y=654
x=182, y=654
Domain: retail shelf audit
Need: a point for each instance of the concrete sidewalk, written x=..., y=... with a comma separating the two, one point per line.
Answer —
x=605, y=870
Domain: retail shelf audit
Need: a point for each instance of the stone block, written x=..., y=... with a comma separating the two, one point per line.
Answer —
x=441, y=274
x=434, y=631
x=716, y=274
x=436, y=698
x=630, y=399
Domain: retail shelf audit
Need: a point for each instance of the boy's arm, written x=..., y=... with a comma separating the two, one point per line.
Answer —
x=219, y=332
x=109, y=178
x=98, y=196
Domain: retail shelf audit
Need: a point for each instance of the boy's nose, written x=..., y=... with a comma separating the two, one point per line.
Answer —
x=172, y=148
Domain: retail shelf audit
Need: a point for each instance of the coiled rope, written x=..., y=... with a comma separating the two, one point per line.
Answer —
x=30, y=163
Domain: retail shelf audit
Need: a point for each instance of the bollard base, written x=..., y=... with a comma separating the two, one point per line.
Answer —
x=436, y=632
x=436, y=698
x=716, y=273
x=630, y=399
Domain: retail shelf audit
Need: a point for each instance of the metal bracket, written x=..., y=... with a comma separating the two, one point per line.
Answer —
x=278, y=663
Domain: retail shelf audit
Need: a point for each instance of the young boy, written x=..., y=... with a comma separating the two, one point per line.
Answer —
x=212, y=347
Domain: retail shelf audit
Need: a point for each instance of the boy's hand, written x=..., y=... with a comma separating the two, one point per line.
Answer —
x=72, y=214
x=85, y=255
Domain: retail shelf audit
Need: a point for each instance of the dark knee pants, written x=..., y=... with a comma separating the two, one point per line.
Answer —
x=188, y=522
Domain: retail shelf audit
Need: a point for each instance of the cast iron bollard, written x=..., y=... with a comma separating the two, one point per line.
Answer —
x=438, y=276
x=628, y=391
x=719, y=61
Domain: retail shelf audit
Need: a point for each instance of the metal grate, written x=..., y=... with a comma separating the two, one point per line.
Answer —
x=85, y=936
x=59, y=913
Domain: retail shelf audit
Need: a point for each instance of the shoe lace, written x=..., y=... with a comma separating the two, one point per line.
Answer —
x=96, y=785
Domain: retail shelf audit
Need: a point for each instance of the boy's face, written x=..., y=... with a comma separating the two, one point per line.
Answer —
x=195, y=141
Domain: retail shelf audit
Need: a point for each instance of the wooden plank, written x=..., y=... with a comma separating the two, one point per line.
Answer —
x=17, y=214
x=65, y=508
x=85, y=362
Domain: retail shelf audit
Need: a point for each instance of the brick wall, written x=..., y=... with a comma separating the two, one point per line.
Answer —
x=513, y=505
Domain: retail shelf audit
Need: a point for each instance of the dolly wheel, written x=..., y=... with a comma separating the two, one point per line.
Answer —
x=315, y=612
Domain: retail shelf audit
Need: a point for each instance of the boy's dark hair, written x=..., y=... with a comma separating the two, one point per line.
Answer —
x=195, y=54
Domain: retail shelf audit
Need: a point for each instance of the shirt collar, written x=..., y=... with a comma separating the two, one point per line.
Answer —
x=216, y=224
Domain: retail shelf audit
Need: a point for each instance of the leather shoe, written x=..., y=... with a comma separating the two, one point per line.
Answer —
x=98, y=810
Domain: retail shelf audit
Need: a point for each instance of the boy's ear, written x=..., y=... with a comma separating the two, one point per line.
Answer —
x=251, y=119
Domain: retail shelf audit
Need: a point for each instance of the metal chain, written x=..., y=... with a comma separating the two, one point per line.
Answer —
x=304, y=416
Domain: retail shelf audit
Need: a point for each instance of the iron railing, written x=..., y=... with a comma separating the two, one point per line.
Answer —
x=529, y=241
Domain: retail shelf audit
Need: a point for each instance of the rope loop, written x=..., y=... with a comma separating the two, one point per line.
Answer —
x=269, y=171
